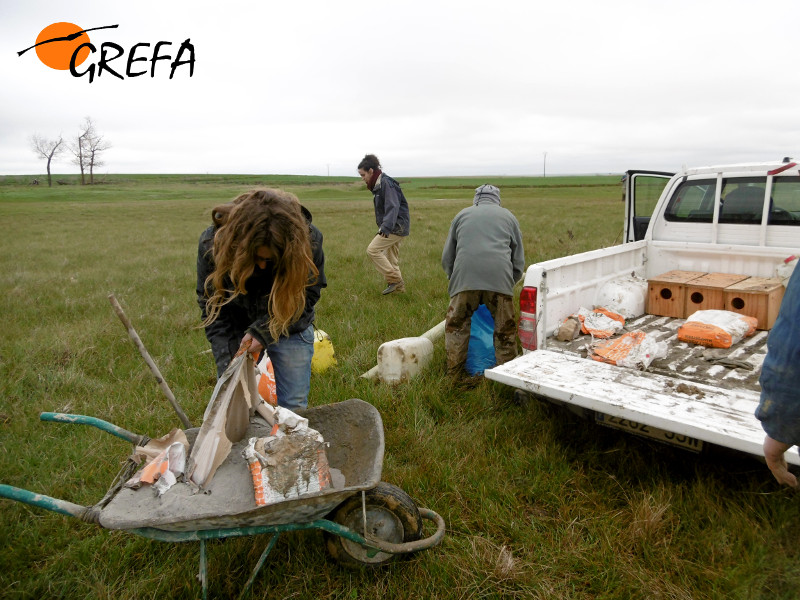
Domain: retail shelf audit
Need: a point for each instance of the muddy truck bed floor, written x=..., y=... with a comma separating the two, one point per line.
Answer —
x=683, y=399
x=686, y=361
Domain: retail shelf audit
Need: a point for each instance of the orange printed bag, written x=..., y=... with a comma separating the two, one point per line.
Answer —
x=266, y=382
x=635, y=349
x=616, y=350
x=716, y=328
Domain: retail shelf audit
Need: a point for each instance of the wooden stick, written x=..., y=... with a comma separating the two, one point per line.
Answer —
x=146, y=355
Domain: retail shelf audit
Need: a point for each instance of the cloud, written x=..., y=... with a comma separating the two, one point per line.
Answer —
x=434, y=88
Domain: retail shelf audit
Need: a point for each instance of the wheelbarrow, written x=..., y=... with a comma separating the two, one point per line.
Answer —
x=365, y=523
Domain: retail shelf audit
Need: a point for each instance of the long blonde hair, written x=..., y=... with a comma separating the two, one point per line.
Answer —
x=262, y=217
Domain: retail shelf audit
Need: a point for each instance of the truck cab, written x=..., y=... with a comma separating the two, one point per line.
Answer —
x=708, y=204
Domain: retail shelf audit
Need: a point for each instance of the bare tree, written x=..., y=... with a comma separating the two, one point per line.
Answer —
x=95, y=146
x=78, y=147
x=88, y=148
x=48, y=150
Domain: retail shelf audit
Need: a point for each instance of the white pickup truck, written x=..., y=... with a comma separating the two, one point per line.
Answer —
x=736, y=219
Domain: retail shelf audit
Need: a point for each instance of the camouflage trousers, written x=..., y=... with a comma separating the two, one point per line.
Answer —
x=459, y=321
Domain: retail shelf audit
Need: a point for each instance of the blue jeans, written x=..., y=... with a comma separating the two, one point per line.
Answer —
x=291, y=361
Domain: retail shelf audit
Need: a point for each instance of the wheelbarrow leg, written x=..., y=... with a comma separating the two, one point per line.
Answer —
x=202, y=576
x=272, y=541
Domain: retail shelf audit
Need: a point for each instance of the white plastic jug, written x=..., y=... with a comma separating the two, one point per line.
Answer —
x=785, y=269
x=400, y=360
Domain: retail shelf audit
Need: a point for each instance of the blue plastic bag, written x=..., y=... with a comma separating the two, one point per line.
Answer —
x=480, y=353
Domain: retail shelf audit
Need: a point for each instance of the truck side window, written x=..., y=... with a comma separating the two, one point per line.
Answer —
x=785, y=201
x=647, y=191
x=742, y=200
x=692, y=202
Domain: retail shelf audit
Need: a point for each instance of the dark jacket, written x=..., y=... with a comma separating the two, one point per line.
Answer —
x=248, y=313
x=391, y=208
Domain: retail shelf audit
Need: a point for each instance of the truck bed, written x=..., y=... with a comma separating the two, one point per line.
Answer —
x=686, y=361
x=683, y=399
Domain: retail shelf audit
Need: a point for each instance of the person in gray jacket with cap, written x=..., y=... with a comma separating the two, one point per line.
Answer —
x=483, y=258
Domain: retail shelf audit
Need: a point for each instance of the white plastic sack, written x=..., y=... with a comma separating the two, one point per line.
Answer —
x=625, y=296
x=597, y=322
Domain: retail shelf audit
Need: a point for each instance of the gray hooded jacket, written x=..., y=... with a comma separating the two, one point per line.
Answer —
x=483, y=250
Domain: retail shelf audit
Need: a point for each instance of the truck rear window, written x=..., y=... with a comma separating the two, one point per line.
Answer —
x=785, y=207
x=741, y=201
x=692, y=202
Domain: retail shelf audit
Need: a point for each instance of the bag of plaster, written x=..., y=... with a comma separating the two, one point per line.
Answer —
x=716, y=328
x=290, y=462
x=635, y=350
x=600, y=322
x=165, y=461
x=266, y=382
x=480, y=352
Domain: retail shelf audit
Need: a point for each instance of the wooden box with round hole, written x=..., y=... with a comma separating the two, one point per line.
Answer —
x=758, y=297
x=706, y=292
x=666, y=293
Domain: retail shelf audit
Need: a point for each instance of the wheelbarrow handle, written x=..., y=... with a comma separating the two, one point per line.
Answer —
x=126, y=435
x=42, y=501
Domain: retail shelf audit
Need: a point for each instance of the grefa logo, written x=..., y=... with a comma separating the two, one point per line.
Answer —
x=64, y=46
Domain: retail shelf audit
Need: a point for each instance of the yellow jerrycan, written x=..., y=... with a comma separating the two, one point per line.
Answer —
x=323, y=352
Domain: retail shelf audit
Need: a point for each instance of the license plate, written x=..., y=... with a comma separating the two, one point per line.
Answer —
x=648, y=431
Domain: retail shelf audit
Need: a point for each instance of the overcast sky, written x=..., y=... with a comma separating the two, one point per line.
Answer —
x=432, y=87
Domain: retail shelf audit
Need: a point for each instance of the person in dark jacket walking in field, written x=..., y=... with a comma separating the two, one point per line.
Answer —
x=392, y=218
x=779, y=407
x=483, y=258
x=260, y=269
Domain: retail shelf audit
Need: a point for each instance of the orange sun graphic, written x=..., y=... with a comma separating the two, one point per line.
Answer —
x=57, y=54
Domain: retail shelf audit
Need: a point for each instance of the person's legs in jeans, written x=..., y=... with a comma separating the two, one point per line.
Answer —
x=291, y=361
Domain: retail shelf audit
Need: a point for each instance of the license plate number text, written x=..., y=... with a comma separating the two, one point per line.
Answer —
x=668, y=437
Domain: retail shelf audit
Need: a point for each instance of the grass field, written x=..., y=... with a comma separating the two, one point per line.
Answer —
x=538, y=504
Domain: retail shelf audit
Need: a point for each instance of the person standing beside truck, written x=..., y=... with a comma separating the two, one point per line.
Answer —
x=392, y=218
x=260, y=270
x=779, y=407
x=483, y=258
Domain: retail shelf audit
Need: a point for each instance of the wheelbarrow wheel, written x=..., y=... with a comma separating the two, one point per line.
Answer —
x=392, y=516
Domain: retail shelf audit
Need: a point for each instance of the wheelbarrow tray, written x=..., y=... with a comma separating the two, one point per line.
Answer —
x=352, y=428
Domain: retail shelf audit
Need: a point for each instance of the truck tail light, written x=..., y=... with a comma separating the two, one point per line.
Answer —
x=527, y=318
